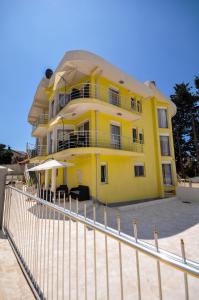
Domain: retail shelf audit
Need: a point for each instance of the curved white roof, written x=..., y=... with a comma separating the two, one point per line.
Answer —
x=78, y=63
x=86, y=61
x=40, y=102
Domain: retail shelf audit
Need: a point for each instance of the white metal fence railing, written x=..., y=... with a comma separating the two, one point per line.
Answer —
x=41, y=120
x=67, y=255
x=188, y=183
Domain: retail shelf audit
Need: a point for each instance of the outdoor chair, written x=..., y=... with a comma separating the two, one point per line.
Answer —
x=62, y=190
x=81, y=193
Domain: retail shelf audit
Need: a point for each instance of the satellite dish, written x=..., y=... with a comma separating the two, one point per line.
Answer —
x=48, y=73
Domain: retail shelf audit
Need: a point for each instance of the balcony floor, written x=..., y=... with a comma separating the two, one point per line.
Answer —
x=93, y=150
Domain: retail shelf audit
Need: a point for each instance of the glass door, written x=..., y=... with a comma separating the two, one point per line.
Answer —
x=83, y=134
x=167, y=174
x=115, y=136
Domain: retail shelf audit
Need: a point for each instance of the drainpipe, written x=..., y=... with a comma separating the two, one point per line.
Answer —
x=96, y=128
x=96, y=175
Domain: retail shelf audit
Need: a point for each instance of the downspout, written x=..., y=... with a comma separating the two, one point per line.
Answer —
x=96, y=175
x=96, y=155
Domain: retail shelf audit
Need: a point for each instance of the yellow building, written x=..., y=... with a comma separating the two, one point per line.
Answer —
x=115, y=130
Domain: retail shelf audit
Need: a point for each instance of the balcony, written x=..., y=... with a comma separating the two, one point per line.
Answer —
x=81, y=142
x=91, y=138
x=39, y=126
x=96, y=97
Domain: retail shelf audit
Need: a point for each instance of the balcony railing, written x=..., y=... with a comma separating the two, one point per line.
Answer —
x=41, y=120
x=91, y=138
x=88, y=90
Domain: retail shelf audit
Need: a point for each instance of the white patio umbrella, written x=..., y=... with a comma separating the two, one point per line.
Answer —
x=50, y=164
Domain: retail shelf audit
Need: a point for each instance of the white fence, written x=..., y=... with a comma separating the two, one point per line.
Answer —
x=66, y=255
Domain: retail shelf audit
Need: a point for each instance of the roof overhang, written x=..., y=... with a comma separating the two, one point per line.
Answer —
x=40, y=102
x=81, y=63
x=78, y=63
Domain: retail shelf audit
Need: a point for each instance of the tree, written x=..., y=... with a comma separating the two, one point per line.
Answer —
x=5, y=154
x=185, y=130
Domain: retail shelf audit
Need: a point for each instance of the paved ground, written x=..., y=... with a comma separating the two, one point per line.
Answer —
x=175, y=220
x=13, y=285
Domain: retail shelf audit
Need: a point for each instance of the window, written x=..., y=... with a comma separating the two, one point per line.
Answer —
x=62, y=101
x=52, y=109
x=83, y=134
x=50, y=144
x=115, y=136
x=164, y=145
x=133, y=104
x=104, y=178
x=84, y=127
x=162, y=118
x=139, y=106
x=114, y=97
x=141, y=138
x=139, y=170
x=134, y=132
x=63, y=137
x=167, y=174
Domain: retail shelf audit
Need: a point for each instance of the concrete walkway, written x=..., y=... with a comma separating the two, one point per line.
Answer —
x=13, y=285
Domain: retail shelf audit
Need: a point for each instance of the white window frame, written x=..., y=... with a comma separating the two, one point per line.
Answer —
x=139, y=106
x=165, y=135
x=167, y=163
x=135, y=104
x=117, y=124
x=167, y=119
x=136, y=129
x=117, y=91
x=139, y=164
x=103, y=164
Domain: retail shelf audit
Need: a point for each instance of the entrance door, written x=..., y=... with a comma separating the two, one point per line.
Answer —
x=115, y=136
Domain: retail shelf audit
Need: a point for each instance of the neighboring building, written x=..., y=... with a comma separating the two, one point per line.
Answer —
x=116, y=130
x=18, y=156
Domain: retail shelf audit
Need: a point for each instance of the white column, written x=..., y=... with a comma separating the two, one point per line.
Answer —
x=46, y=179
x=53, y=180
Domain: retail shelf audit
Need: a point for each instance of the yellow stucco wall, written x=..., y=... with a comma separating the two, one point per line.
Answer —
x=122, y=184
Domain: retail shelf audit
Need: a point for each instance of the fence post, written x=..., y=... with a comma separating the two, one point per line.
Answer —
x=3, y=173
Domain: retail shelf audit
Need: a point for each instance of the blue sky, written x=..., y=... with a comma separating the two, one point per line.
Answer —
x=151, y=40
